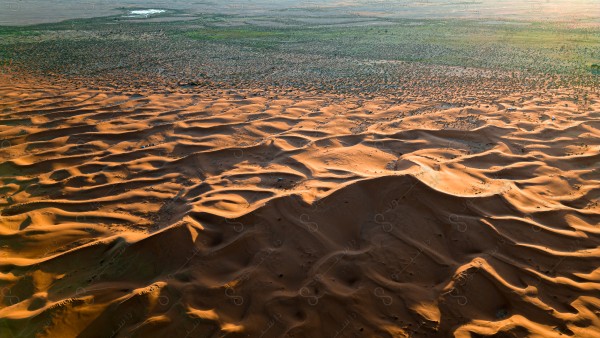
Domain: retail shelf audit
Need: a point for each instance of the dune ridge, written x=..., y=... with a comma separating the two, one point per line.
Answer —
x=265, y=214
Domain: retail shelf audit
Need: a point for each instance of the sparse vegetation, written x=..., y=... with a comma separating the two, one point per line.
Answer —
x=376, y=55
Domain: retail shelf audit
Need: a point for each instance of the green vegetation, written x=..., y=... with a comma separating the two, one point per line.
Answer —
x=15, y=35
x=541, y=47
x=230, y=34
x=16, y=31
x=234, y=48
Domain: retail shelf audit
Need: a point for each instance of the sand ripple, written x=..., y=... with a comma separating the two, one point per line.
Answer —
x=272, y=214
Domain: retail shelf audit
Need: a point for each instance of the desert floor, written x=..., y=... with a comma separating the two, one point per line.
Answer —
x=279, y=212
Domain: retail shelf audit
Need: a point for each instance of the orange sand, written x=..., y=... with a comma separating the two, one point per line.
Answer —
x=267, y=214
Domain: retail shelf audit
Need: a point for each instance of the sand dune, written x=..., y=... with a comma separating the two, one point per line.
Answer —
x=266, y=214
